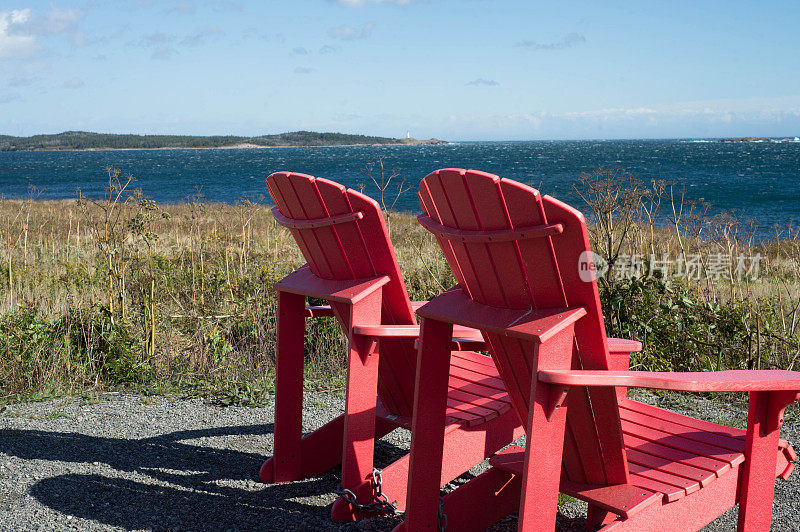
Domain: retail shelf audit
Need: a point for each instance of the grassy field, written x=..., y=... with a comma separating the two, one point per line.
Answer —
x=129, y=293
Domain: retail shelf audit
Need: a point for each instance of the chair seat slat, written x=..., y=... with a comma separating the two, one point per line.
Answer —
x=498, y=407
x=677, y=455
x=673, y=468
x=478, y=389
x=670, y=479
x=699, y=424
x=670, y=493
x=704, y=436
x=678, y=442
x=472, y=356
x=490, y=382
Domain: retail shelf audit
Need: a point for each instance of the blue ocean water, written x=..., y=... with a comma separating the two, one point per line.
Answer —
x=759, y=179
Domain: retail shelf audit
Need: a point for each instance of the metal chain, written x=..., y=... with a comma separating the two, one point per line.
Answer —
x=380, y=504
x=442, y=521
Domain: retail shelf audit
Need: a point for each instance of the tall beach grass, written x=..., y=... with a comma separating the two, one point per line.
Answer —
x=96, y=295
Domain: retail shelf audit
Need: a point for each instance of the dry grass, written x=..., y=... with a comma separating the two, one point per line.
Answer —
x=187, y=300
x=98, y=294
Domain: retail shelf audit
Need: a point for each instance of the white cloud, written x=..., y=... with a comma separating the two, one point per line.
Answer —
x=611, y=113
x=778, y=116
x=257, y=33
x=202, y=36
x=157, y=38
x=723, y=110
x=12, y=44
x=161, y=43
x=20, y=29
x=567, y=41
x=299, y=50
x=54, y=22
x=483, y=82
x=303, y=70
x=349, y=33
x=328, y=49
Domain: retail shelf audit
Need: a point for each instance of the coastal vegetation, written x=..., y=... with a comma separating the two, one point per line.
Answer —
x=124, y=292
x=82, y=140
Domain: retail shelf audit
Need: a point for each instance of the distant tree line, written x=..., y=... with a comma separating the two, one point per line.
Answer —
x=82, y=140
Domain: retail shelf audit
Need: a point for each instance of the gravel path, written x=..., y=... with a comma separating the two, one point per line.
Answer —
x=131, y=462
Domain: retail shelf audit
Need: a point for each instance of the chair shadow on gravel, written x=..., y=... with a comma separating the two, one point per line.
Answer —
x=189, y=486
x=131, y=504
x=150, y=456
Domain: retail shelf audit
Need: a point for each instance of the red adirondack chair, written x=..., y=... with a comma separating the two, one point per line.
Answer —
x=516, y=256
x=351, y=264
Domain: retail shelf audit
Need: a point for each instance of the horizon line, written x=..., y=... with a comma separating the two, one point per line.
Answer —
x=553, y=139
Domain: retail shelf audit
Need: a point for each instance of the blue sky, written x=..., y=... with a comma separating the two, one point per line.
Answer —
x=458, y=70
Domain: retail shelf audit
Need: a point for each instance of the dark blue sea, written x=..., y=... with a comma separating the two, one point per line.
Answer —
x=761, y=180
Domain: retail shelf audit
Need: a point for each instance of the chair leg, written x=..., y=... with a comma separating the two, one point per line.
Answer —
x=427, y=428
x=541, y=471
x=482, y=501
x=287, y=460
x=321, y=450
x=597, y=517
x=463, y=447
x=359, y=421
x=757, y=487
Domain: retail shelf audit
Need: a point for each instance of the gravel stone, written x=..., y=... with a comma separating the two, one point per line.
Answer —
x=134, y=462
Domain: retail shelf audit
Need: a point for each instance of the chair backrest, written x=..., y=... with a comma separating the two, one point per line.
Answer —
x=353, y=247
x=501, y=265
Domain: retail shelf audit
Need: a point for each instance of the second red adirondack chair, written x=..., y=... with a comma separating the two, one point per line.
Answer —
x=517, y=257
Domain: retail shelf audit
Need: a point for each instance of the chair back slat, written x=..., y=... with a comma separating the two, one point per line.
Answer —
x=352, y=250
x=468, y=269
x=525, y=209
x=531, y=273
x=285, y=198
x=330, y=245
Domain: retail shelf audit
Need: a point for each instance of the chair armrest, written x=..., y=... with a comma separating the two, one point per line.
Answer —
x=621, y=345
x=706, y=381
x=535, y=325
x=305, y=283
x=387, y=331
x=464, y=338
x=412, y=331
x=318, y=311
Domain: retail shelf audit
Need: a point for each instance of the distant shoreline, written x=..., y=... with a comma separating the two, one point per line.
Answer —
x=87, y=141
x=414, y=142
